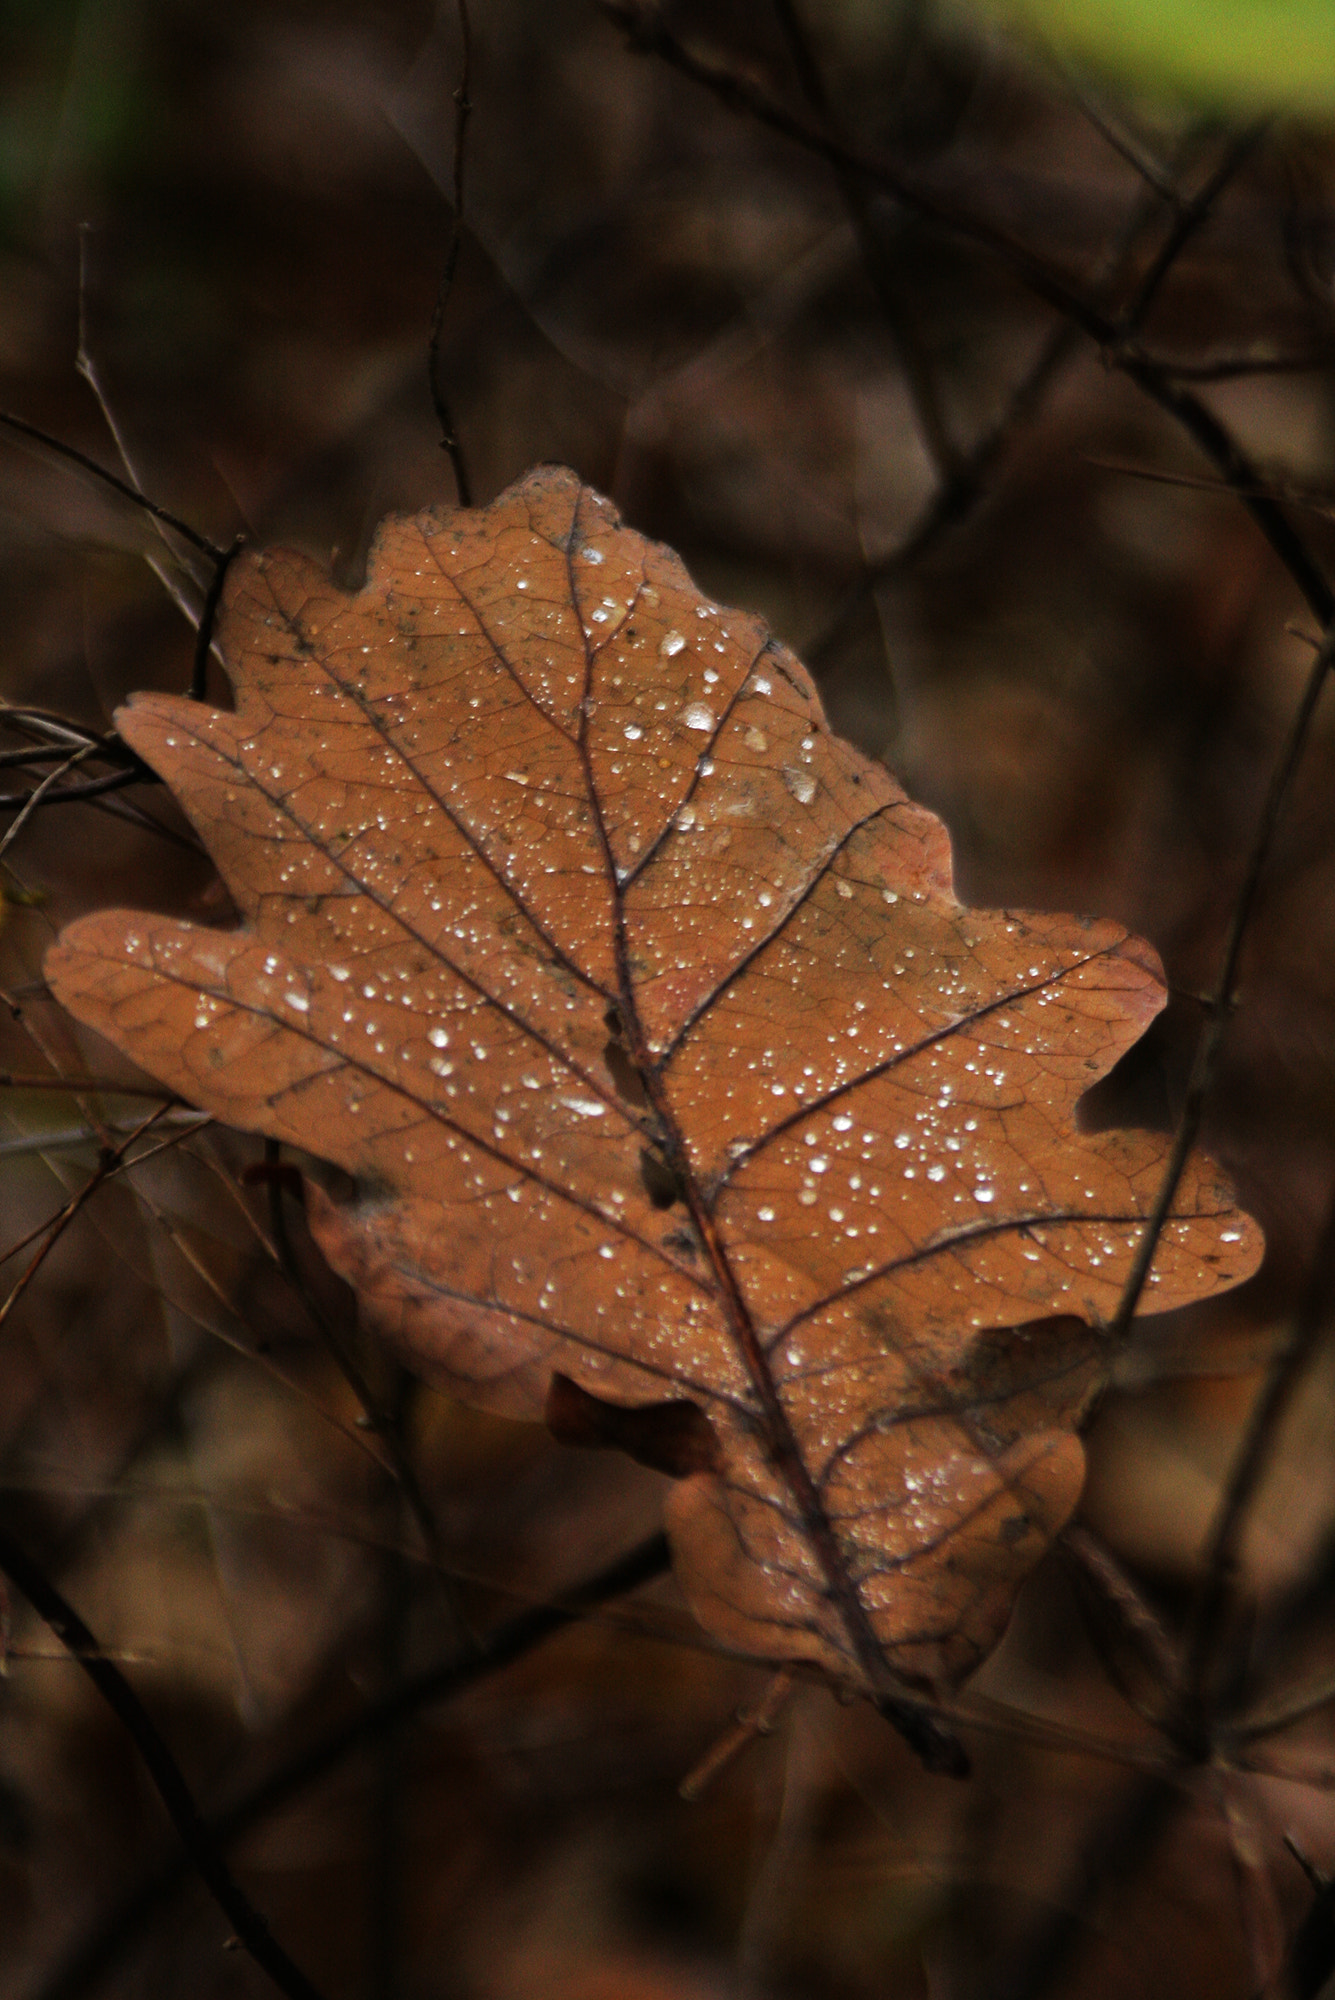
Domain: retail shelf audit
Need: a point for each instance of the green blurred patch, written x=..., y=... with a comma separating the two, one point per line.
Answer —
x=1225, y=53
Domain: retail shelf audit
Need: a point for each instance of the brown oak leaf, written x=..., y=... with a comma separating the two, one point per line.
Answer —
x=667, y=1063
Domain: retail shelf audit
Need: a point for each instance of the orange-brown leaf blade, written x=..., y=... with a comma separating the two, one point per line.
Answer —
x=669, y=1065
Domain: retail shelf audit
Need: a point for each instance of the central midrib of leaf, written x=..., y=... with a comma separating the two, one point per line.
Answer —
x=781, y=1444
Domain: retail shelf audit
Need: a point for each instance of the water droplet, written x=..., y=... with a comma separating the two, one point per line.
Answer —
x=673, y=644
x=984, y=1194
x=699, y=715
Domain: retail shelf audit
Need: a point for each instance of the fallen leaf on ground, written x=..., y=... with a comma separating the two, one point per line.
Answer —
x=685, y=1101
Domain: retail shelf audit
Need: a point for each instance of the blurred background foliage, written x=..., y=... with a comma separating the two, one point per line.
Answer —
x=1084, y=656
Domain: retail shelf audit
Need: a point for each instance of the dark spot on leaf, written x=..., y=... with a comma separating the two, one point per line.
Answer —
x=675, y=1437
x=629, y=1083
x=660, y=1183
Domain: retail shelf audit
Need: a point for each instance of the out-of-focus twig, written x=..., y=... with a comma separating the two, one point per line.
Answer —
x=51, y=1232
x=463, y=106
x=1135, y=1618
x=1188, y=217
x=95, y=1956
x=1253, y=1456
x=648, y=33
x=916, y=366
x=22, y=428
x=381, y=1419
x=1221, y=1001
x=201, y=1848
x=208, y=618
x=759, y=1720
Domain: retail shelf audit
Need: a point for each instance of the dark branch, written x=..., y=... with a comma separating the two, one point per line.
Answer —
x=200, y=1846
x=1220, y=1008
x=117, y=484
x=107, y=1945
x=435, y=365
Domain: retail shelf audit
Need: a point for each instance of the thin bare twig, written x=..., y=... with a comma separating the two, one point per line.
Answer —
x=759, y=1720
x=16, y=1079
x=1189, y=217
x=1235, y=367
x=112, y=1159
x=201, y=1847
x=23, y=428
x=917, y=370
x=952, y=501
x=11, y=759
x=648, y=33
x=94, y=1957
x=1253, y=1456
x=1221, y=1001
x=87, y=367
x=1114, y=134
x=42, y=791
x=382, y=1420
x=46, y=794
x=208, y=618
x=435, y=364
x=1134, y=1616
x=957, y=496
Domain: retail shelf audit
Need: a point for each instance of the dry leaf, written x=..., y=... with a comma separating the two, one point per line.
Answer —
x=667, y=1062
